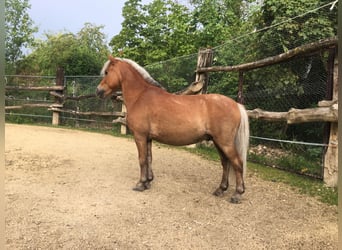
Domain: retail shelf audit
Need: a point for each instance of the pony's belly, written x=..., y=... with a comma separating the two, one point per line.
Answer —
x=179, y=139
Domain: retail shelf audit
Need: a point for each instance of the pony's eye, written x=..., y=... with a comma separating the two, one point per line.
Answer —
x=106, y=72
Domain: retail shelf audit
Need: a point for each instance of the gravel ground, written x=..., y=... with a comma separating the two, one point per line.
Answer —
x=68, y=189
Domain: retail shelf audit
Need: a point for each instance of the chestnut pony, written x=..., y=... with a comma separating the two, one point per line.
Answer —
x=155, y=114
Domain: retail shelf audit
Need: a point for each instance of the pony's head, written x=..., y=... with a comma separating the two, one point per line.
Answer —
x=113, y=72
x=111, y=78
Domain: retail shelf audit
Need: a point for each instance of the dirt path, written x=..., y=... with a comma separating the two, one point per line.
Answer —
x=68, y=189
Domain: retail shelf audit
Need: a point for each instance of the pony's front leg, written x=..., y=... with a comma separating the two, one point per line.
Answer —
x=143, y=182
x=149, y=161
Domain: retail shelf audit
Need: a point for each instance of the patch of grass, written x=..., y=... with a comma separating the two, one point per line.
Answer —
x=303, y=184
x=209, y=153
x=296, y=163
x=300, y=164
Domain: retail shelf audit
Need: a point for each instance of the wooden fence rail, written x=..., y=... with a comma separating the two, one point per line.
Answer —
x=320, y=114
x=35, y=88
x=314, y=47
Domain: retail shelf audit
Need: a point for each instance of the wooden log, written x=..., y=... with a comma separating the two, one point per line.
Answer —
x=267, y=115
x=35, y=88
x=74, y=98
x=60, y=83
x=330, y=175
x=121, y=120
x=299, y=51
x=320, y=114
x=80, y=97
x=193, y=89
x=326, y=103
x=56, y=105
x=32, y=105
x=240, y=98
x=55, y=118
x=123, y=129
x=205, y=60
x=89, y=113
x=56, y=94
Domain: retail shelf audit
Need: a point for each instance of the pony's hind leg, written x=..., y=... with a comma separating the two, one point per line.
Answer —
x=230, y=156
x=225, y=174
x=237, y=164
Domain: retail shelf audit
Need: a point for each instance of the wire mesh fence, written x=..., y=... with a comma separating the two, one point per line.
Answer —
x=84, y=86
x=23, y=104
x=299, y=83
x=25, y=98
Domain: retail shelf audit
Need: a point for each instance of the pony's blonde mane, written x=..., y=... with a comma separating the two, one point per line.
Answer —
x=137, y=67
x=104, y=68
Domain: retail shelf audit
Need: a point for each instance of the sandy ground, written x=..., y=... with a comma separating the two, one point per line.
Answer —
x=67, y=189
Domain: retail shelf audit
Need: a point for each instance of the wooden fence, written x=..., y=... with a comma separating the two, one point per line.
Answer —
x=326, y=111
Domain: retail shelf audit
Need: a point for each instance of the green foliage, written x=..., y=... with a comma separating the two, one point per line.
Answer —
x=80, y=54
x=292, y=162
x=154, y=32
x=29, y=116
x=19, y=31
x=180, y=72
x=217, y=20
x=297, y=31
x=165, y=29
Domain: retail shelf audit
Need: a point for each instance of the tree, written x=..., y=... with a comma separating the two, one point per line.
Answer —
x=19, y=29
x=154, y=32
x=93, y=45
x=91, y=37
x=129, y=39
x=297, y=29
x=217, y=20
x=80, y=54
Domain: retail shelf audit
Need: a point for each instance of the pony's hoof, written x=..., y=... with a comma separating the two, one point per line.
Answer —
x=218, y=192
x=235, y=200
x=140, y=187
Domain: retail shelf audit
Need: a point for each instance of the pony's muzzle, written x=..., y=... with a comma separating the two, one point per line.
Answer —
x=100, y=92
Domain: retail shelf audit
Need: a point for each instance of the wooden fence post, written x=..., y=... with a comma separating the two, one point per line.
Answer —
x=58, y=104
x=123, y=126
x=331, y=156
x=240, y=98
x=205, y=59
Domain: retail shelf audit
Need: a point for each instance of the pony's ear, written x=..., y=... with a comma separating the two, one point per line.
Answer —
x=111, y=58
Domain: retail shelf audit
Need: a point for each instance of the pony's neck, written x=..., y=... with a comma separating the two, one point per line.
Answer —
x=132, y=85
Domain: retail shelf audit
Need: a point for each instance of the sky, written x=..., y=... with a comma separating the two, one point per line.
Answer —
x=53, y=16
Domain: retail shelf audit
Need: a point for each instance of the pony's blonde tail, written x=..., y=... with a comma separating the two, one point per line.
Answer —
x=242, y=138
